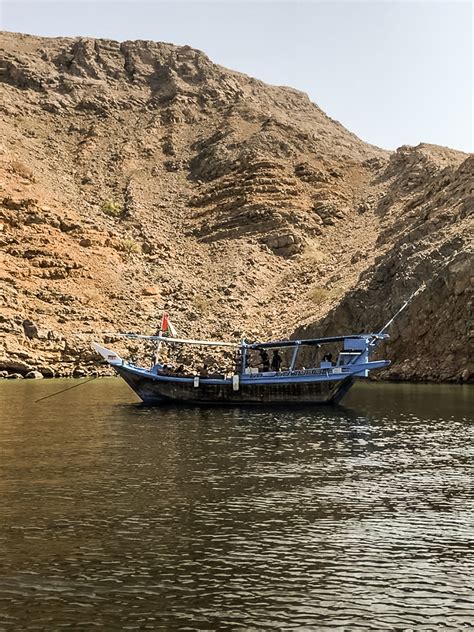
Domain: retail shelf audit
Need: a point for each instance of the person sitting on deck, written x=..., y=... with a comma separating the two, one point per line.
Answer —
x=265, y=360
x=276, y=361
x=204, y=371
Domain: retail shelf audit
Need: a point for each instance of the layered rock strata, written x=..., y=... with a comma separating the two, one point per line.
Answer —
x=135, y=175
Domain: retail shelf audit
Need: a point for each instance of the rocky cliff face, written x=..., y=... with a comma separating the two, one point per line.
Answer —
x=427, y=225
x=136, y=174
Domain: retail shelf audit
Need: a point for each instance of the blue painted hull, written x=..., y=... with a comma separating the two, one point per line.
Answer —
x=326, y=384
x=259, y=389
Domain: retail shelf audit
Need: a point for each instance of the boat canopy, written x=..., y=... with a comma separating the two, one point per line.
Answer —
x=308, y=342
x=276, y=344
x=179, y=341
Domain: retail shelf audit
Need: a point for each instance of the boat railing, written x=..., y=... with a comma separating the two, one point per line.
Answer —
x=337, y=370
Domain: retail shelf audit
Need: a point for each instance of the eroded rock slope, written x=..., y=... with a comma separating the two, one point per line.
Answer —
x=139, y=174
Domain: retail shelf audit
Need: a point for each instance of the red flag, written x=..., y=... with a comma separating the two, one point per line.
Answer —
x=164, y=322
x=166, y=326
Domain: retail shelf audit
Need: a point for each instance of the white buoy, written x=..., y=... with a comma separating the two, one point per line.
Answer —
x=196, y=381
x=235, y=382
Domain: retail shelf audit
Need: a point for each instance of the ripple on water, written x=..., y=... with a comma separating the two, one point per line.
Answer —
x=120, y=517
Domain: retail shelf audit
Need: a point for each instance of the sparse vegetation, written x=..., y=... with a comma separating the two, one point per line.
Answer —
x=312, y=255
x=320, y=295
x=112, y=208
x=129, y=246
x=202, y=304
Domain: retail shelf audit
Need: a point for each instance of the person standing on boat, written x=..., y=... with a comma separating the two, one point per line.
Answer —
x=276, y=361
x=238, y=361
x=265, y=360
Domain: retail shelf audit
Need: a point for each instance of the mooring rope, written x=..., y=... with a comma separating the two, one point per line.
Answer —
x=66, y=389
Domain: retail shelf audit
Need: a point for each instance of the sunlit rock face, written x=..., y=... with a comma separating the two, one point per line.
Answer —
x=139, y=174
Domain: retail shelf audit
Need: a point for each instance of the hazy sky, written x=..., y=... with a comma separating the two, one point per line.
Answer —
x=392, y=72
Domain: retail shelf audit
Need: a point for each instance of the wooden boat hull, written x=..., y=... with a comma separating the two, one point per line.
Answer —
x=155, y=390
x=325, y=384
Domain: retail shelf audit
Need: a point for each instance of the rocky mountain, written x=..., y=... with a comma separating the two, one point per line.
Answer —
x=139, y=174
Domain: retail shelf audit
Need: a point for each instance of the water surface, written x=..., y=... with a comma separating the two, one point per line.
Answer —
x=122, y=517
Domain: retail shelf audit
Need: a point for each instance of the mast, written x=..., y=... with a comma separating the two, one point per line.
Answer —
x=160, y=335
x=158, y=347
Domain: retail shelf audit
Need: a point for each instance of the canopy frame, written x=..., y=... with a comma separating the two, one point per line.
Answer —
x=179, y=341
x=244, y=345
x=277, y=344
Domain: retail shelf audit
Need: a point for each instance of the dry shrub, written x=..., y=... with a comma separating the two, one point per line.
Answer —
x=202, y=304
x=312, y=255
x=129, y=246
x=318, y=294
x=112, y=208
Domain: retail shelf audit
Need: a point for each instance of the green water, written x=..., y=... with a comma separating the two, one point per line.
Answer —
x=121, y=517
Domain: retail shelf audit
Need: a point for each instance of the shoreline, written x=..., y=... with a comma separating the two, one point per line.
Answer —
x=371, y=380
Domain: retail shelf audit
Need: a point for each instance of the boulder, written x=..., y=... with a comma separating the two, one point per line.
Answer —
x=33, y=375
x=14, y=366
x=46, y=371
x=151, y=290
x=285, y=244
x=53, y=335
x=147, y=248
x=79, y=372
x=30, y=329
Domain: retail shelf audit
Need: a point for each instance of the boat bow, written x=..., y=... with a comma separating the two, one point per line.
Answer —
x=108, y=354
